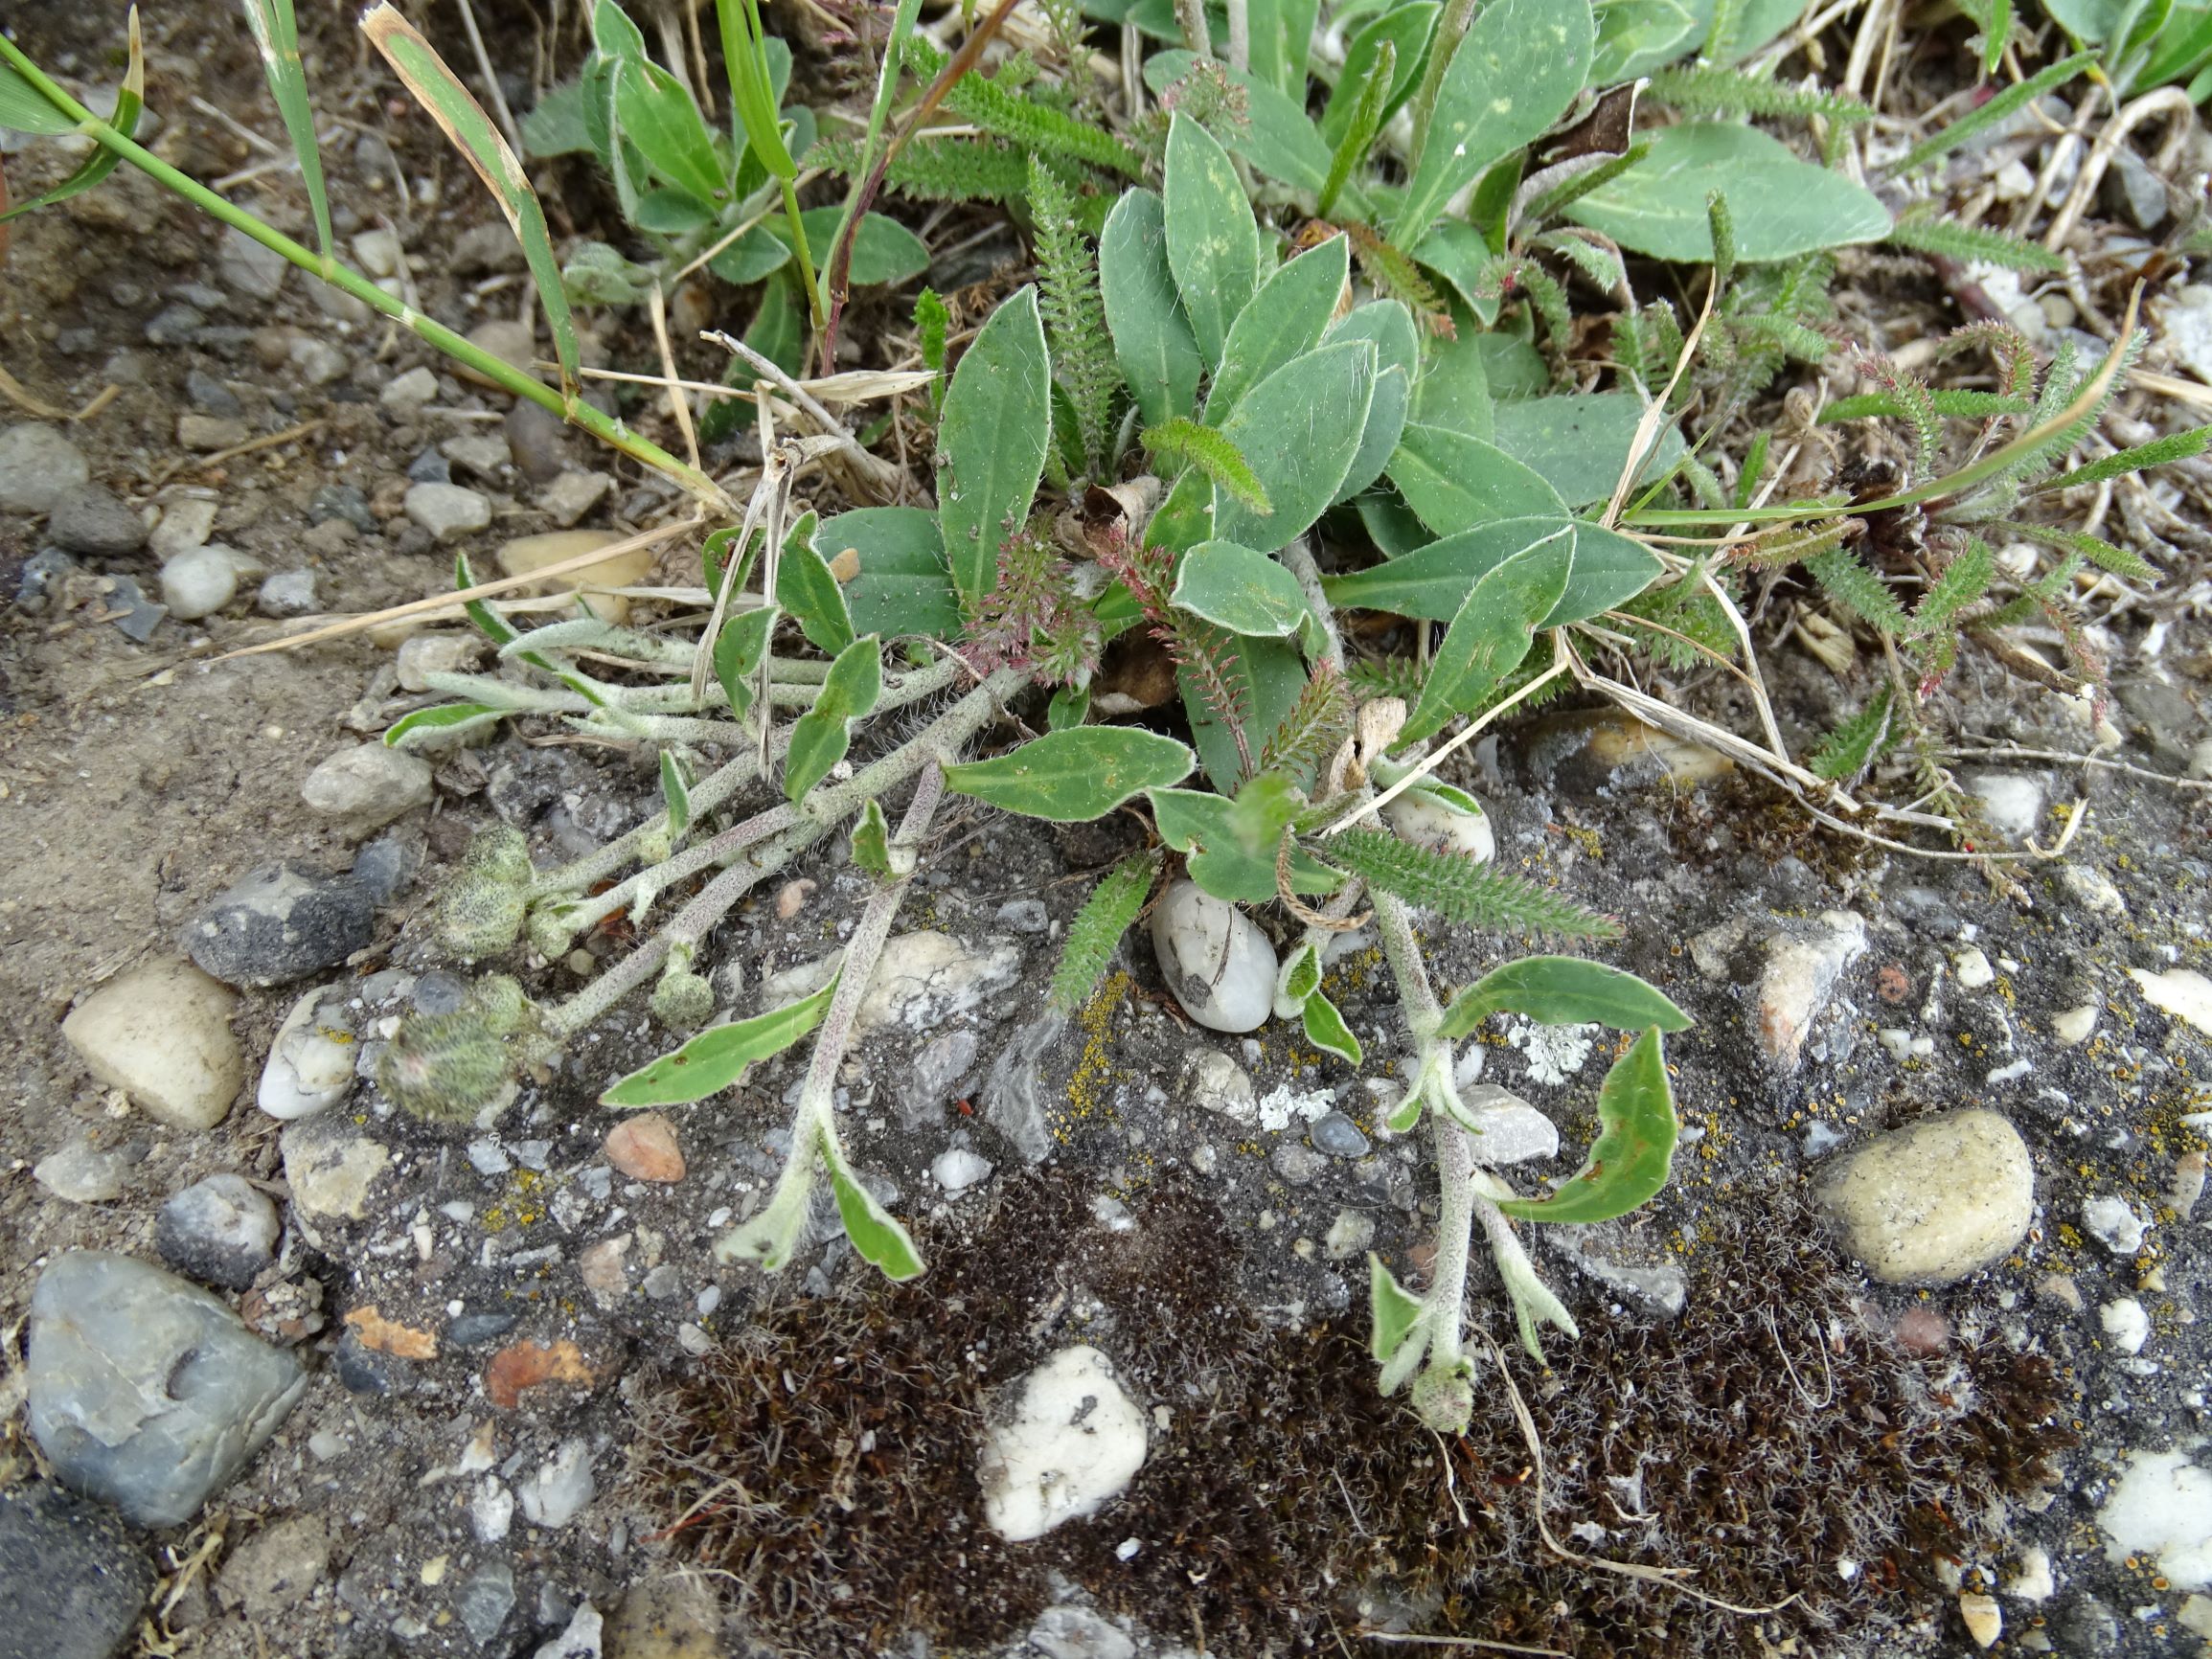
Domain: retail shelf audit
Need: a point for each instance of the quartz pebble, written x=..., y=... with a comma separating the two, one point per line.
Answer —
x=367, y=786
x=1512, y=1131
x=223, y=1231
x=312, y=1061
x=1931, y=1203
x=2125, y=1323
x=924, y=980
x=147, y=1391
x=2160, y=1508
x=1216, y=962
x=1214, y=1082
x=83, y=1173
x=161, y=1033
x=1426, y=822
x=957, y=1169
x=557, y=1492
x=2180, y=992
x=1072, y=1442
x=185, y=524
x=2111, y=1223
x=204, y=580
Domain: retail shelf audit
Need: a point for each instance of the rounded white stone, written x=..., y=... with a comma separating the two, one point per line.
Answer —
x=202, y=580
x=1425, y=823
x=1217, y=962
x=162, y=1034
x=1073, y=1442
x=312, y=1062
x=957, y=1169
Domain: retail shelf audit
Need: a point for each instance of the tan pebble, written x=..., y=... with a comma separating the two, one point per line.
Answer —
x=582, y=964
x=2061, y=1289
x=645, y=1149
x=2188, y=1183
x=791, y=898
x=1985, y=1621
x=527, y=555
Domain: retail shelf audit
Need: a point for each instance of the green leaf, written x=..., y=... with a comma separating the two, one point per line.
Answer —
x=811, y=595
x=872, y=840
x=1491, y=632
x=1182, y=443
x=446, y=720
x=1282, y=33
x=1395, y=1312
x=1097, y=929
x=1628, y=1161
x=1068, y=708
x=1990, y=114
x=1299, y=979
x=1200, y=825
x=1284, y=319
x=1456, y=483
x=129, y=102
x=656, y=114
x=821, y=735
x=276, y=33
x=440, y=92
x=675, y=794
x=1455, y=885
x=1851, y=746
x=752, y=93
x=1407, y=30
x=1636, y=37
x=883, y=250
x=1515, y=72
x=1454, y=389
x=715, y=1058
x=1238, y=589
x=875, y=1233
x=1561, y=991
x=757, y=254
x=1300, y=430
x=1325, y=1030
x=1212, y=241
x=904, y=586
x=2158, y=452
x=738, y=652
x=1783, y=207
x=1274, y=136
x=24, y=108
x=1431, y=583
x=1072, y=776
x=1153, y=340
x=1389, y=325
x=992, y=441
x=1580, y=441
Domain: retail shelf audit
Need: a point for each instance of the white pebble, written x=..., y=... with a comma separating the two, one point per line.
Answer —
x=202, y=580
x=957, y=1169
x=2112, y=1224
x=1075, y=1441
x=312, y=1062
x=1217, y=962
x=1973, y=969
x=2125, y=1323
x=556, y=1493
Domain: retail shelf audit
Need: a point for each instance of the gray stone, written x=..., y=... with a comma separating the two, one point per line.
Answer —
x=223, y=1231
x=1512, y=1130
x=380, y=251
x=405, y=394
x=924, y=980
x=342, y=501
x=94, y=521
x=289, y=593
x=176, y=325
x=386, y=865
x=928, y=1083
x=580, y=1641
x=486, y=249
x=250, y=268
x=1338, y=1136
x=538, y=441
x=42, y=576
x=134, y=615
x=206, y=434
x=282, y=922
x=83, y=1173
x=161, y=1033
x=277, y=1567
x=447, y=510
x=209, y=395
x=1295, y=1162
x=1934, y=1202
x=484, y=1600
x=1216, y=962
x=368, y=786
x=73, y=1583
x=482, y=453
x=38, y=468
x=144, y=1391
x=1015, y=1094
x=1025, y=915
x=573, y=495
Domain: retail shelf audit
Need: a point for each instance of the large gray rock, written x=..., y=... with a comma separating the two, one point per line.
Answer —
x=38, y=468
x=72, y=1583
x=282, y=922
x=147, y=1391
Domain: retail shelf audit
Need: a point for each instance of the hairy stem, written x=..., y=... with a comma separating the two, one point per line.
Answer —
x=1450, y=29
x=1192, y=15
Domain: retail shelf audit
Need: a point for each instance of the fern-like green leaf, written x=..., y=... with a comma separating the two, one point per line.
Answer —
x=1954, y=402
x=1965, y=579
x=1851, y=748
x=937, y=169
x=1602, y=265
x=1182, y=443
x=1074, y=315
x=1098, y=928
x=1375, y=677
x=2158, y=452
x=2121, y=561
x=1359, y=131
x=1457, y=886
x=1700, y=89
x=1926, y=234
x=1311, y=732
x=1024, y=121
x=1859, y=590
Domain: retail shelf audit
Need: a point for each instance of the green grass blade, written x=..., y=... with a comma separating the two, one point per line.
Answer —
x=129, y=102
x=439, y=90
x=2012, y=98
x=277, y=35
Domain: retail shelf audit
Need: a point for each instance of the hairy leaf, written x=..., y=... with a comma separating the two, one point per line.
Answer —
x=1072, y=776
x=1561, y=991
x=1491, y=632
x=1475, y=894
x=1212, y=241
x=1152, y=339
x=992, y=441
x=821, y=735
x=1238, y=589
x=1628, y=1161
x=875, y=1231
x=1097, y=930
x=715, y=1058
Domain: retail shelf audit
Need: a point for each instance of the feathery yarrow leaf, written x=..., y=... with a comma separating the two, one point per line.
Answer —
x=1851, y=748
x=1926, y=234
x=1859, y=590
x=1700, y=89
x=1097, y=930
x=1182, y=442
x=1457, y=886
x=1028, y=124
x=1074, y=315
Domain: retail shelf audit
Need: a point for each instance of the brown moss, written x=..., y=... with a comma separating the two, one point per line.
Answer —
x=826, y=1460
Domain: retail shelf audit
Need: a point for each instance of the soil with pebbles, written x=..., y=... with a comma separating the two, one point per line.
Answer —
x=509, y=1307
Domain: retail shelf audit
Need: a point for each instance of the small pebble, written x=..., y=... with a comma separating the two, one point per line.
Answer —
x=162, y=1034
x=1972, y=969
x=281, y=922
x=447, y=510
x=556, y=1493
x=1338, y=1136
x=289, y=593
x=1349, y=1235
x=82, y=1174
x=1073, y=1440
x=221, y=1231
x=2073, y=1027
x=643, y=1147
x=407, y=395
x=95, y=522
x=1931, y=1203
x=957, y=1169
x=2111, y=1223
x=184, y=524
x=573, y=495
x=1296, y=1162
x=1985, y=1620
x=204, y=580
x=38, y=466
x=1217, y=964
x=367, y=786
x=2125, y=1323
